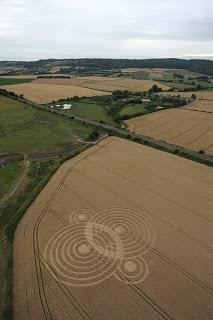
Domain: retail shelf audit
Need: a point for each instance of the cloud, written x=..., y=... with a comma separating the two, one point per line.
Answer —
x=95, y=28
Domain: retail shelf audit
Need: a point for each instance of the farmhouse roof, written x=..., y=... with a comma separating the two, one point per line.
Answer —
x=145, y=100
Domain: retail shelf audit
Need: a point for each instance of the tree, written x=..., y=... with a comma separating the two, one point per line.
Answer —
x=76, y=98
x=155, y=88
x=94, y=135
x=201, y=151
x=193, y=96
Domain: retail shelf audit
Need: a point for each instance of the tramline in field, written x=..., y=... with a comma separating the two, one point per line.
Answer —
x=120, y=231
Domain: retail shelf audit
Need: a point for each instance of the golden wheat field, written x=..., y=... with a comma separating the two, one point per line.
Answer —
x=121, y=231
x=97, y=82
x=130, y=83
x=190, y=129
x=102, y=86
x=111, y=85
x=69, y=82
x=44, y=93
x=47, y=89
x=200, y=105
x=148, y=85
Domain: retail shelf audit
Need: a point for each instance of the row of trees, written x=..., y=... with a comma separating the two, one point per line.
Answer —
x=53, y=77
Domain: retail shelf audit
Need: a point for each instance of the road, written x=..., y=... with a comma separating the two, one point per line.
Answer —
x=121, y=131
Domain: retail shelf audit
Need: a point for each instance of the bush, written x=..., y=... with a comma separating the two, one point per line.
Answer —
x=176, y=151
x=201, y=151
x=94, y=135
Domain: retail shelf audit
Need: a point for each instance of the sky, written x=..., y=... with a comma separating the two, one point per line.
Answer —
x=40, y=29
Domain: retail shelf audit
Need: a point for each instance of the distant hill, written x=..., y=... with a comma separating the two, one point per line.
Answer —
x=194, y=65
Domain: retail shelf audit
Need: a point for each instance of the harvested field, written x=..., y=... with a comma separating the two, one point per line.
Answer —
x=97, y=83
x=68, y=82
x=102, y=86
x=200, y=105
x=156, y=75
x=190, y=129
x=205, y=95
x=121, y=84
x=180, y=86
x=45, y=93
x=149, y=85
x=131, y=83
x=47, y=90
x=118, y=235
x=98, y=79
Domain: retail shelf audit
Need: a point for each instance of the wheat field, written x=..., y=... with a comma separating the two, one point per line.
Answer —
x=121, y=231
x=201, y=95
x=149, y=85
x=200, y=105
x=190, y=129
x=44, y=93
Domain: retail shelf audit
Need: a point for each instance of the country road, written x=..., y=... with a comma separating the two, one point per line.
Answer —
x=121, y=131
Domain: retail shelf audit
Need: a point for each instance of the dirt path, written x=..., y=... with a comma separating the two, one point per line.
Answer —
x=18, y=184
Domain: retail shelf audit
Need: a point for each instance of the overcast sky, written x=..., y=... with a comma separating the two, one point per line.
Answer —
x=38, y=29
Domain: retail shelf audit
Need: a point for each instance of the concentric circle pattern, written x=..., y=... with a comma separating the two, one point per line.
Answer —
x=96, y=246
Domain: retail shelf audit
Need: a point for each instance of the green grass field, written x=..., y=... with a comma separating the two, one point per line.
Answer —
x=202, y=83
x=28, y=130
x=6, y=81
x=89, y=110
x=8, y=175
x=128, y=110
x=187, y=83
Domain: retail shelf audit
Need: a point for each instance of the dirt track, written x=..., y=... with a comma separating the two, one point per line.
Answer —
x=121, y=231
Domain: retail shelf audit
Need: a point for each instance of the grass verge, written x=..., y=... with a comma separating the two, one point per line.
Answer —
x=6, y=81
